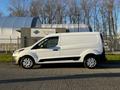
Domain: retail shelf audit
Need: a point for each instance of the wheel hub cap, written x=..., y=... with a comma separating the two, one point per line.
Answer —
x=27, y=62
x=91, y=62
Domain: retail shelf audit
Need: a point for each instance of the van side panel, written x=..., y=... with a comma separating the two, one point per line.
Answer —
x=74, y=45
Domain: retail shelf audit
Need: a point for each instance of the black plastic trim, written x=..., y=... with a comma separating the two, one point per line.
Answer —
x=60, y=59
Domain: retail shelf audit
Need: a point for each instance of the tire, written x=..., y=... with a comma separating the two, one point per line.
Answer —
x=27, y=62
x=90, y=62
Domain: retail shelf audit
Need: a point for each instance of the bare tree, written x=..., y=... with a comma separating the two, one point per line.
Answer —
x=18, y=7
x=109, y=15
x=50, y=9
x=73, y=11
x=86, y=10
x=102, y=15
x=45, y=9
x=34, y=7
x=60, y=11
x=37, y=8
x=95, y=11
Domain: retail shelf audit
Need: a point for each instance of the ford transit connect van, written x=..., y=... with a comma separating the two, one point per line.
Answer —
x=80, y=47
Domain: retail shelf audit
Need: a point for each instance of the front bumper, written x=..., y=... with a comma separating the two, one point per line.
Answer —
x=16, y=58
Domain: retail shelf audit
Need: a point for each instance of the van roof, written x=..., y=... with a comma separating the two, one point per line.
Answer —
x=73, y=33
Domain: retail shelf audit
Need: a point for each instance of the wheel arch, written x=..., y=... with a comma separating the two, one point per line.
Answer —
x=89, y=52
x=90, y=55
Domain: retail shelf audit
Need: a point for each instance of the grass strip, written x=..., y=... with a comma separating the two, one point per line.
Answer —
x=113, y=57
x=8, y=57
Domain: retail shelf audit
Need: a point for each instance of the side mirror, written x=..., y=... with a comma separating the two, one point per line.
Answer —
x=41, y=46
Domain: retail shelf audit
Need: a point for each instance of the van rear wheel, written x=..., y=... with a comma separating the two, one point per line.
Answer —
x=27, y=62
x=90, y=62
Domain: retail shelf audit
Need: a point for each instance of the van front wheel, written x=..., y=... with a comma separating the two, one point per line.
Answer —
x=90, y=62
x=27, y=62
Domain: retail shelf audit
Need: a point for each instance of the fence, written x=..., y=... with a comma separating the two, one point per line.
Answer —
x=9, y=44
x=112, y=45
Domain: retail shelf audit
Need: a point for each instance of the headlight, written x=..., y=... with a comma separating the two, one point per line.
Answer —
x=19, y=50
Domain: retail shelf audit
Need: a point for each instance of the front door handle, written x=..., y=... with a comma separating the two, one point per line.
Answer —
x=56, y=49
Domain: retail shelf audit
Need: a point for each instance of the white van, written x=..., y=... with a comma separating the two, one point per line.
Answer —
x=80, y=47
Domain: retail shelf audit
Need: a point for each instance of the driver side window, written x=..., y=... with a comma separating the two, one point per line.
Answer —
x=50, y=42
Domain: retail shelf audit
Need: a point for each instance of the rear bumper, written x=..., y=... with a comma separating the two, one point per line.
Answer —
x=102, y=58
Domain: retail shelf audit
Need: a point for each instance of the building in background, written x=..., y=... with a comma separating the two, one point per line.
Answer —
x=9, y=36
x=9, y=25
x=31, y=30
x=31, y=35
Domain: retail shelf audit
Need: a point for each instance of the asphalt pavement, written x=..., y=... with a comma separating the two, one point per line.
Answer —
x=60, y=77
